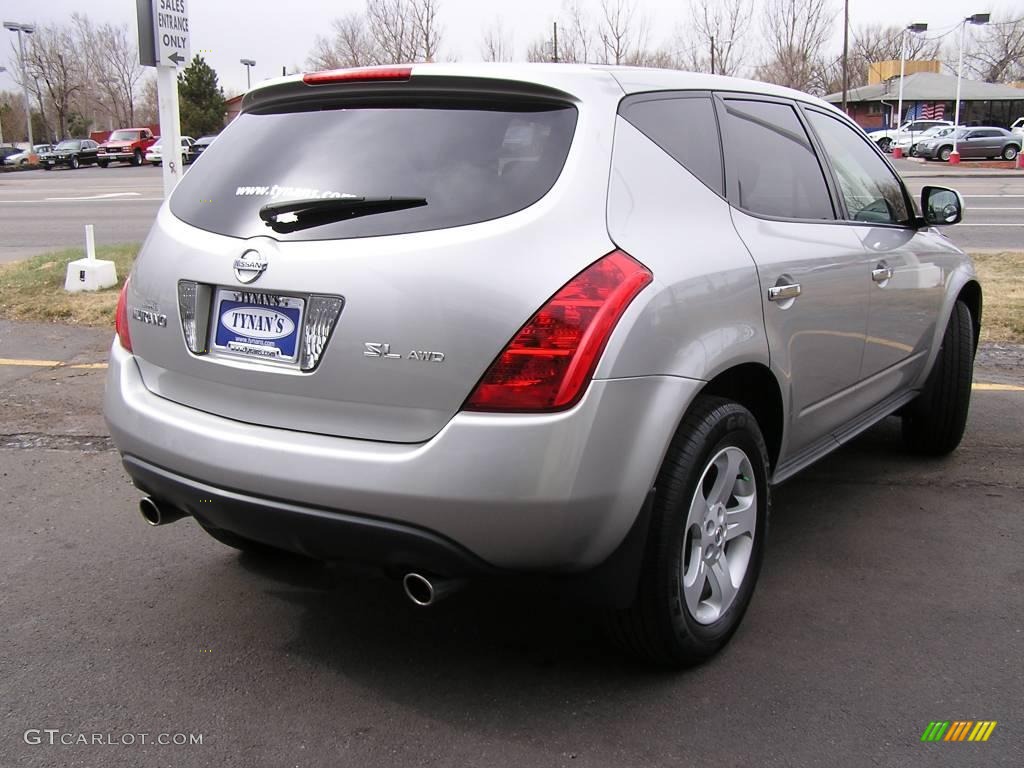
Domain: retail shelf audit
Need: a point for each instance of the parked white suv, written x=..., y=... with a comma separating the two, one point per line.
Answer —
x=887, y=138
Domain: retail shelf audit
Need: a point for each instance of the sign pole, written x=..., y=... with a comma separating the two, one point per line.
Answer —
x=164, y=43
x=170, y=126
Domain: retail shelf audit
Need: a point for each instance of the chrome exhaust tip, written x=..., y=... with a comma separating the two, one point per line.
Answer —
x=425, y=592
x=155, y=514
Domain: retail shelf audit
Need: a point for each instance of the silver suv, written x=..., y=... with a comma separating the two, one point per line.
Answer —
x=567, y=323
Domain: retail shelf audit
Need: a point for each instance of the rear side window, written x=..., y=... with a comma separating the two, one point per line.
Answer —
x=471, y=165
x=771, y=159
x=685, y=127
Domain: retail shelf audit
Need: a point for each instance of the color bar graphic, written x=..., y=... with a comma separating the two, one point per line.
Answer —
x=958, y=730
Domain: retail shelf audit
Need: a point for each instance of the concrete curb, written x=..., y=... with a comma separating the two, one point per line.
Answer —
x=993, y=174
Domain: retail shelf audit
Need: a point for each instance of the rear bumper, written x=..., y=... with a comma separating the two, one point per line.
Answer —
x=552, y=493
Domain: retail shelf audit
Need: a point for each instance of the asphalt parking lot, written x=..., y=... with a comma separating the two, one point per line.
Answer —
x=44, y=211
x=891, y=597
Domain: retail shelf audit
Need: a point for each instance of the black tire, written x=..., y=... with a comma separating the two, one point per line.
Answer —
x=659, y=626
x=74, y=162
x=944, y=154
x=1010, y=152
x=934, y=423
x=101, y=163
x=913, y=150
x=47, y=167
x=136, y=158
x=885, y=144
x=240, y=543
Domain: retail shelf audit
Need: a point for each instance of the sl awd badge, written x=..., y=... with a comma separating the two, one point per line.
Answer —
x=383, y=351
x=250, y=266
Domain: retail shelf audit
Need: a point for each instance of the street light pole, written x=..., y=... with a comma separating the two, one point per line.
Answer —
x=2, y=69
x=27, y=29
x=249, y=64
x=846, y=50
x=897, y=152
x=978, y=18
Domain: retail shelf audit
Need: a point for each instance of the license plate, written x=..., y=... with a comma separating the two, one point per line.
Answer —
x=258, y=325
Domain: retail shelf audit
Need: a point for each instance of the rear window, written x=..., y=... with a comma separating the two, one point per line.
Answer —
x=471, y=165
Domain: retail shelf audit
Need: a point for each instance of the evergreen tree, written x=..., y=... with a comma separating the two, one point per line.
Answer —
x=201, y=99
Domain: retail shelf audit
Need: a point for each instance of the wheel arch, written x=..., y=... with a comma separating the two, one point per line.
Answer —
x=755, y=387
x=971, y=295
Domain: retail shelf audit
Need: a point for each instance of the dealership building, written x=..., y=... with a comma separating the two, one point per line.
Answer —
x=932, y=96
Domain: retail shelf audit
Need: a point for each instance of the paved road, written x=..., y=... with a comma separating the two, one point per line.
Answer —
x=47, y=210
x=41, y=211
x=994, y=218
x=891, y=596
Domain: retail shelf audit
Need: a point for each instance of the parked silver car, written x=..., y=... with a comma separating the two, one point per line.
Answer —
x=985, y=142
x=550, y=321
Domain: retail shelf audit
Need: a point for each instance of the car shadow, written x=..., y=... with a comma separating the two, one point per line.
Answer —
x=489, y=640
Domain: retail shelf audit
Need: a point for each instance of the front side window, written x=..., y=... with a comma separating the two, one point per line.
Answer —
x=869, y=188
x=774, y=168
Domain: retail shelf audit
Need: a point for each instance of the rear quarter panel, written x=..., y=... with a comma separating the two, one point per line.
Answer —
x=703, y=312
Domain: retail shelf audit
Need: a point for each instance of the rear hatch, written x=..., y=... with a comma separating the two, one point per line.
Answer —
x=358, y=315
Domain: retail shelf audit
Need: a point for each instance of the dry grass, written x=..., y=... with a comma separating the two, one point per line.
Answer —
x=1002, y=284
x=34, y=289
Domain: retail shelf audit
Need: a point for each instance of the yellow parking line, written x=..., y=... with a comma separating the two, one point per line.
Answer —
x=29, y=363
x=983, y=387
x=18, y=362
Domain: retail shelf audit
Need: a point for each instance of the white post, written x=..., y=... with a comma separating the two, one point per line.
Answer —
x=955, y=157
x=170, y=129
x=90, y=243
x=903, y=58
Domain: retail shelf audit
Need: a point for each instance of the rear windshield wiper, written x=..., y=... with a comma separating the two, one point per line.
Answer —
x=315, y=212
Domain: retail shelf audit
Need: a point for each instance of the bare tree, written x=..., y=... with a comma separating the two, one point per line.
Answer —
x=795, y=33
x=721, y=26
x=55, y=71
x=351, y=45
x=622, y=32
x=404, y=30
x=497, y=43
x=539, y=50
x=575, y=38
x=148, y=109
x=427, y=31
x=112, y=69
x=996, y=53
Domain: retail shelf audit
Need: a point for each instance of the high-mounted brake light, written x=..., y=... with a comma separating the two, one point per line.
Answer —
x=367, y=74
x=121, y=318
x=548, y=364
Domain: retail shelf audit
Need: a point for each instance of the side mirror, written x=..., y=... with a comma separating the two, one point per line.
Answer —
x=941, y=207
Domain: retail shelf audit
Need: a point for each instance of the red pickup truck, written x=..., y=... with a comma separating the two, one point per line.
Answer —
x=126, y=145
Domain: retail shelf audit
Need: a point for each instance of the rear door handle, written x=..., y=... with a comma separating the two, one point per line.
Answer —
x=783, y=292
x=881, y=274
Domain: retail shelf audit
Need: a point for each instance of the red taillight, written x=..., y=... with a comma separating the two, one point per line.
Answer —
x=548, y=364
x=368, y=74
x=121, y=319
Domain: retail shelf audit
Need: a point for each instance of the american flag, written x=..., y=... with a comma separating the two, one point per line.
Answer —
x=933, y=111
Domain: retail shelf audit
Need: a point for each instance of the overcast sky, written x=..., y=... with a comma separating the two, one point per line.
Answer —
x=280, y=33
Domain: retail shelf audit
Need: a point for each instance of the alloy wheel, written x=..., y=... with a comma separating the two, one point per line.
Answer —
x=719, y=535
